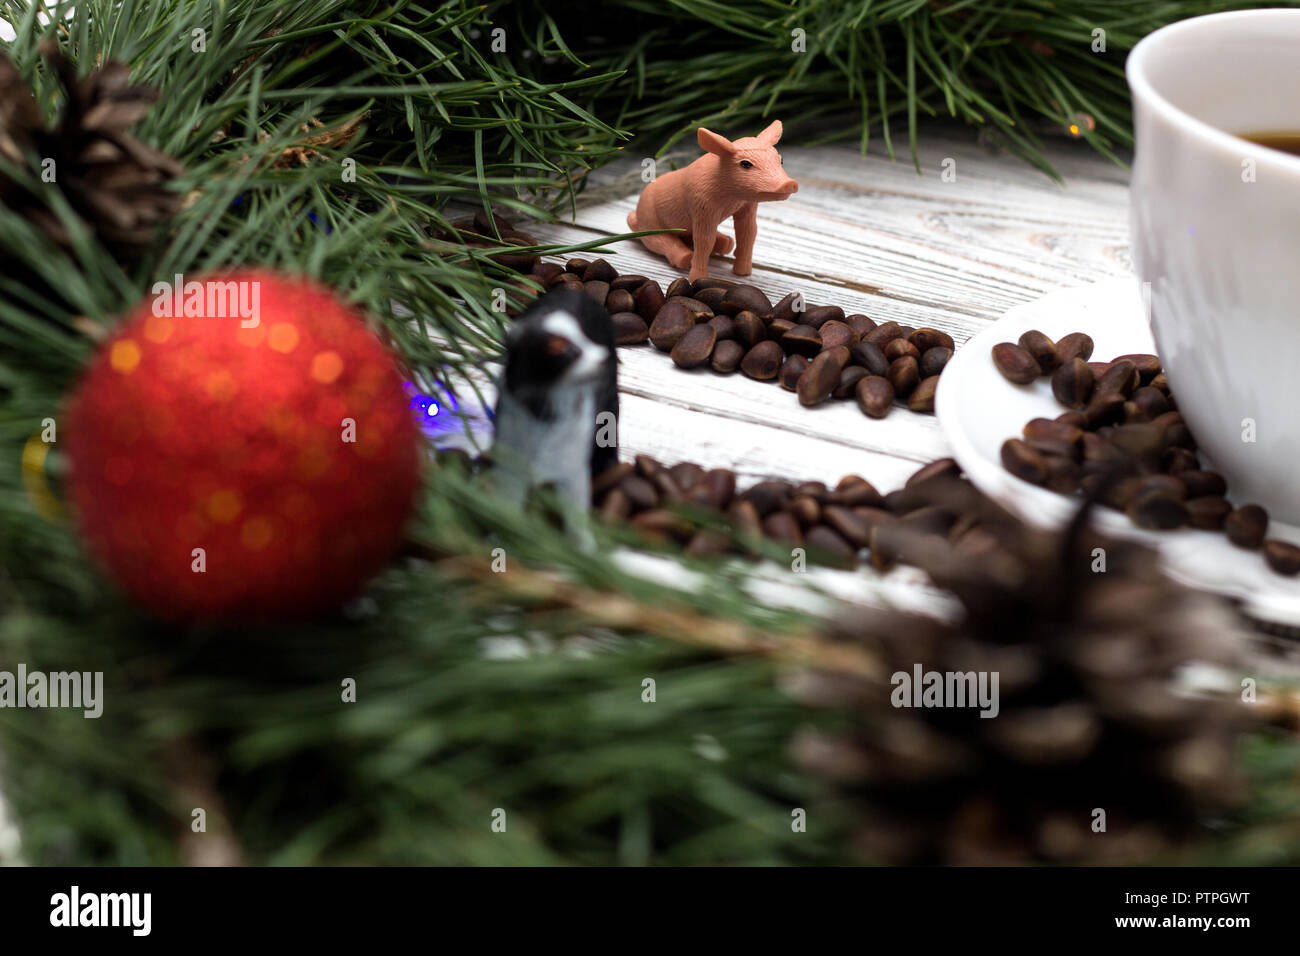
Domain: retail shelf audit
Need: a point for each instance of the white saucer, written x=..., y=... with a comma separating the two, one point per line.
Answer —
x=978, y=410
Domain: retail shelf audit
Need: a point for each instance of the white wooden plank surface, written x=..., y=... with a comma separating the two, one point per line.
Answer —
x=872, y=236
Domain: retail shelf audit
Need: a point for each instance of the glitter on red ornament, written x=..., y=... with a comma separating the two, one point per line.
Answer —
x=286, y=451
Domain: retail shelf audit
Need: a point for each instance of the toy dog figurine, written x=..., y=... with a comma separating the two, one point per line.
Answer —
x=557, y=410
x=730, y=179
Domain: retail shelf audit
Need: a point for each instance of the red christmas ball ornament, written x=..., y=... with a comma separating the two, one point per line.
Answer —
x=242, y=450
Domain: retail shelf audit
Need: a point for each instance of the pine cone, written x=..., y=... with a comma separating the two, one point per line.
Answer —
x=1094, y=711
x=116, y=183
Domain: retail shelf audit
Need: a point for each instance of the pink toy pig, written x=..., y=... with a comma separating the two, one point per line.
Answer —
x=730, y=179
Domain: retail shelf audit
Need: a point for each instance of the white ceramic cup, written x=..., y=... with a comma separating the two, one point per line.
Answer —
x=1215, y=223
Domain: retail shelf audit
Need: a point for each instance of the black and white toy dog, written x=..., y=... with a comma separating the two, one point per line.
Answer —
x=557, y=410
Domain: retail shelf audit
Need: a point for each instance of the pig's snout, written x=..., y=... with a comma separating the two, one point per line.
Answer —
x=789, y=187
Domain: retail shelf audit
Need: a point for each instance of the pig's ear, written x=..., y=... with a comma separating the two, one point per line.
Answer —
x=772, y=135
x=711, y=142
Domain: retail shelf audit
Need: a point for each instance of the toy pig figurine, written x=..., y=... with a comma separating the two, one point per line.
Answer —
x=730, y=179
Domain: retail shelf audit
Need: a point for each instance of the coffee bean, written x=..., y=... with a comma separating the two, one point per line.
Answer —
x=670, y=493
x=1098, y=369
x=610, y=478
x=722, y=325
x=639, y=492
x=820, y=378
x=1208, y=513
x=697, y=309
x=1282, y=556
x=686, y=474
x=874, y=516
x=882, y=334
x=941, y=467
x=649, y=300
x=1054, y=446
x=548, y=273
x=1176, y=431
x=711, y=299
x=802, y=340
x=848, y=382
x=897, y=348
x=834, y=333
x=1161, y=382
x=847, y=525
x=1157, y=510
x=860, y=324
x=600, y=271
x=1202, y=483
x=818, y=315
x=805, y=510
x=708, y=543
x=922, y=397
x=1142, y=443
x=854, y=491
x=927, y=338
x=1062, y=474
x=597, y=290
x=884, y=551
x=669, y=325
x=785, y=308
x=727, y=356
x=1148, y=365
x=1056, y=430
x=904, y=374
x=1075, y=345
x=619, y=300
x=828, y=547
x=1074, y=419
x=1178, y=460
x=779, y=327
x=899, y=503
x=1166, y=484
x=1072, y=383
x=629, y=283
x=661, y=525
x=875, y=395
x=929, y=519
x=721, y=485
x=791, y=370
x=1104, y=409
x=1151, y=401
x=680, y=286
x=1015, y=364
x=1023, y=462
x=646, y=466
x=1042, y=349
x=812, y=489
x=745, y=518
x=1117, y=493
x=577, y=266
x=767, y=496
x=629, y=328
x=748, y=329
x=763, y=361
x=616, y=507
x=782, y=526
x=1120, y=376
x=741, y=298
x=871, y=357
x=1246, y=526
x=934, y=360
x=711, y=282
